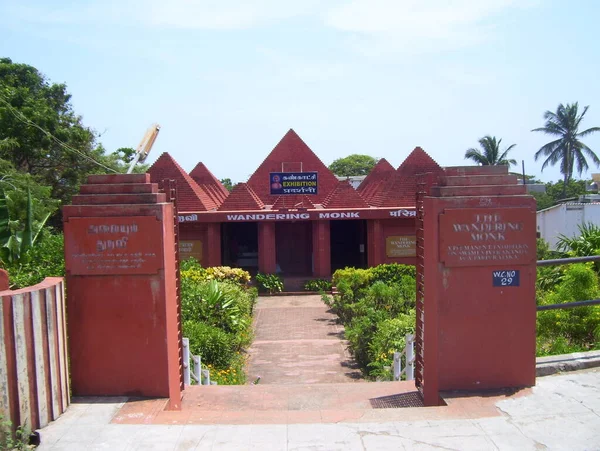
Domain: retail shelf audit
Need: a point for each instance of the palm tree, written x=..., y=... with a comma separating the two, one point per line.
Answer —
x=567, y=149
x=491, y=155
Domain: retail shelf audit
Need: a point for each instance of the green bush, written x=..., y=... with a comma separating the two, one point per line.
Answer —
x=212, y=344
x=45, y=259
x=216, y=310
x=376, y=306
x=317, y=285
x=390, y=337
x=269, y=283
x=574, y=329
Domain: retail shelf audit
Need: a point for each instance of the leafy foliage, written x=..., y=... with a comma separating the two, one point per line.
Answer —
x=567, y=149
x=269, y=283
x=353, y=165
x=574, y=329
x=490, y=155
x=317, y=285
x=376, y=306
x=227, y=183
x=46, y=259
x=216, y=310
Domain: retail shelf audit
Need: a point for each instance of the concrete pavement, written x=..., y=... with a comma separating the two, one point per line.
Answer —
x=562, y=412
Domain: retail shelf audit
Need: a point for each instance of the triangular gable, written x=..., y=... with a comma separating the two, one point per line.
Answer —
x=202, y=176
x=344, y=196
x=378, y=173
x=293, y=202
x=400, y=188
x=287, y=155
x=190, y=197
x=419, y=162
x=241, y=198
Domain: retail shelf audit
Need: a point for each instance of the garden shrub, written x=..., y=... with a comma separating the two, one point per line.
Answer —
x=574, y=329
x=374, y=304
x=216, y=311
x=45, y=259
x=212, y=344
x=317, y=285
x=269, y=283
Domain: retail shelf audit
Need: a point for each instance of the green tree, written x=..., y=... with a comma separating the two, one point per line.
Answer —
x=567, y=149
x=227, y=183
x=353, y=165
x=490, y=155
x=41, y=135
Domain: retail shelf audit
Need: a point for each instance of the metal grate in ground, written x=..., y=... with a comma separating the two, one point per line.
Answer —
x=399, y=401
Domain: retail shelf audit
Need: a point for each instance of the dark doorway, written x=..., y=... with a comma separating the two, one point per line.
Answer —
x=293, y=242
x=239, y=245
x=348, y=244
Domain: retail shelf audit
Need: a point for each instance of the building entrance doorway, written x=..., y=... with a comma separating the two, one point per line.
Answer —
x=293, y=243
x=348, y=244
x=239, y=245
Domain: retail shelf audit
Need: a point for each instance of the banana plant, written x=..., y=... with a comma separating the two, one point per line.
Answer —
x=15, y=244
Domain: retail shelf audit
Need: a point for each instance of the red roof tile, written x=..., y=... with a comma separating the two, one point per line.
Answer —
x=399, y=188
x=242, y=197
x=291, y=154
x=190, y=197
x=203, y=176
x=344, y=196
x=293, y=202
x=379, y=173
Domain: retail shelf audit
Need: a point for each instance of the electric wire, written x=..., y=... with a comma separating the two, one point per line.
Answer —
x=21, y=117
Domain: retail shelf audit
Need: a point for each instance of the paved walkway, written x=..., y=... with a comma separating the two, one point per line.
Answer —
x=561, y=413
x=297, y=341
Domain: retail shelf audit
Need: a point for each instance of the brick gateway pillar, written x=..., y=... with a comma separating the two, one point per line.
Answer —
x=476, y=312
x=121, y=289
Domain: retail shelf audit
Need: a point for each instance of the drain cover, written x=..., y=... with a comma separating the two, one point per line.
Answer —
x=412, y=399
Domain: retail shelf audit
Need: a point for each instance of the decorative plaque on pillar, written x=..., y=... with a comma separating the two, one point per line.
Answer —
x=113, y=245
x=487, y=237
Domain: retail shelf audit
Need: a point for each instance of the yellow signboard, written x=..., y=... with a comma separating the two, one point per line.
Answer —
x=401, y=246
x=190, y=248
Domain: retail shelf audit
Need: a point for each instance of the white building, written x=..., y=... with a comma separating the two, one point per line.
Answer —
x=564, y=219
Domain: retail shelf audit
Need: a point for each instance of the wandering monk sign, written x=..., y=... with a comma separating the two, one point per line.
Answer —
x=486, y=237
x=293, y=183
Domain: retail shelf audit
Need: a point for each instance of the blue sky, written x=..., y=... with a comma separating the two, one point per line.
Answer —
x=226, y=79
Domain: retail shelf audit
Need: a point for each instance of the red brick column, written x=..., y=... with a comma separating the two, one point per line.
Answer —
x=121, y=279
x=480, y=272
x=213, y=245
x=321, y=249
x=266, y=247
x=375, y=243
x=4, y=282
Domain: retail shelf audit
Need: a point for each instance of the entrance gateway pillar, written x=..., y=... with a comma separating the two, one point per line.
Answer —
x=476, y=310
x=122, y=308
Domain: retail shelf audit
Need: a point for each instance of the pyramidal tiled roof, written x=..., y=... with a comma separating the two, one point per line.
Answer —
x=419, y=162
x=190, y=196
x=371, y=182
x=242, y=197
x=293, y=201
x=203, y=176
x=344, y=196
x=400, y=187
x=291, y=154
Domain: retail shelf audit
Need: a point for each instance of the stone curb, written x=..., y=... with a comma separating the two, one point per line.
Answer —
x=545, y=366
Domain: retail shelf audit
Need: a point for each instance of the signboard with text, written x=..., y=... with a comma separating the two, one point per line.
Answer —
x=293, y=183
x=487, y=237
x=112, y=245
x=190, y=248
x=401, y=246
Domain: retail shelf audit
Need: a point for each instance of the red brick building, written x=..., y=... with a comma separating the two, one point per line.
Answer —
x=298, y=234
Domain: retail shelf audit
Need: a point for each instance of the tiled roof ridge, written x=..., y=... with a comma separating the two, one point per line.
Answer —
x=344, y=195
x=190, y=196
x=203, y=176
x=242, y=197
